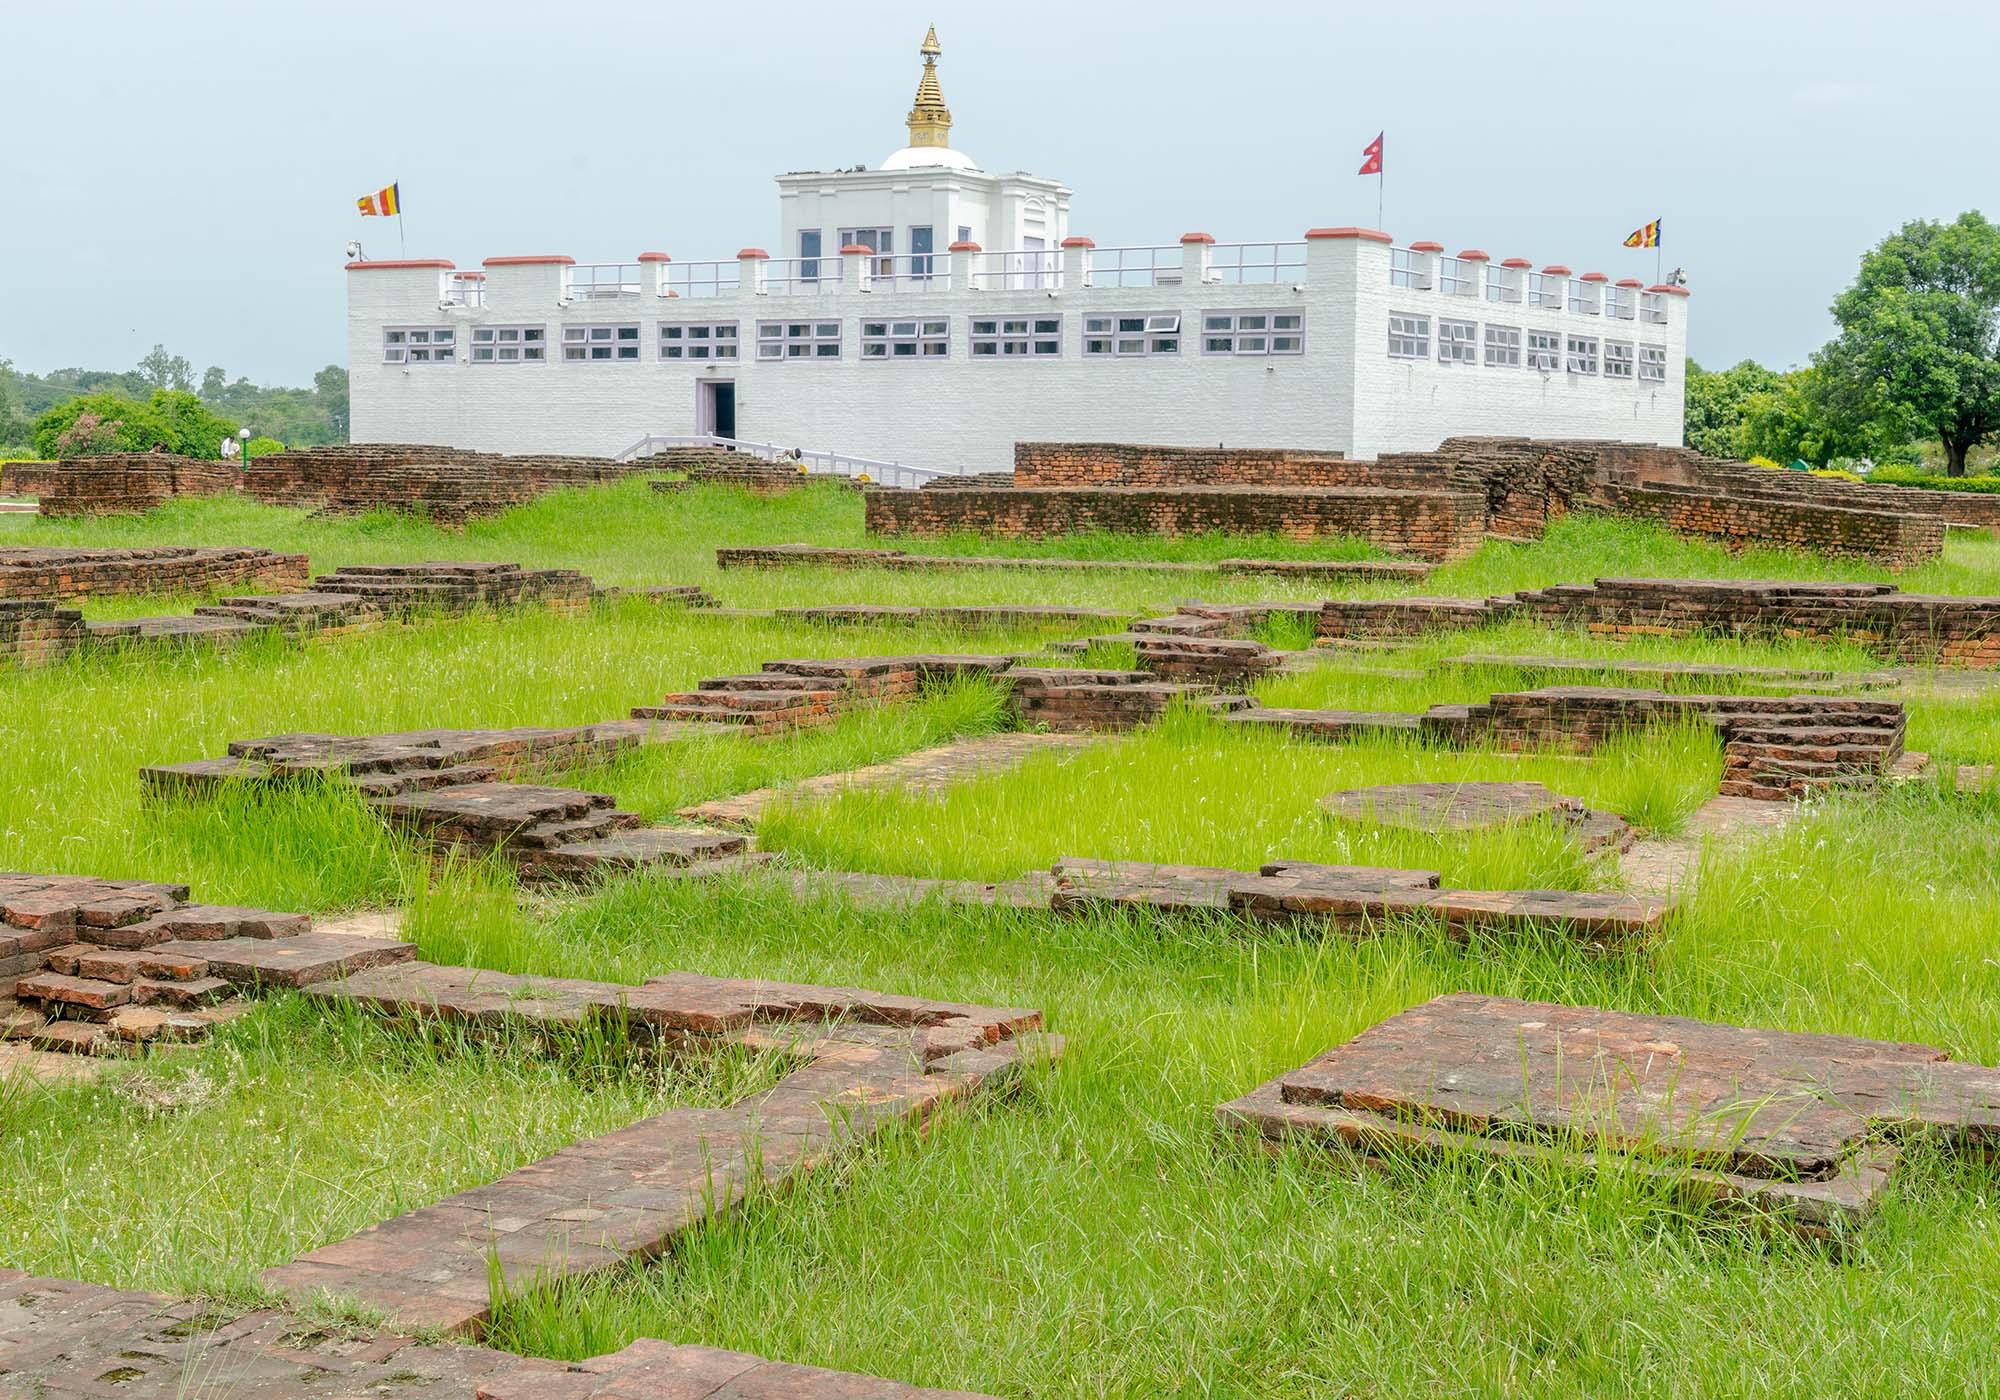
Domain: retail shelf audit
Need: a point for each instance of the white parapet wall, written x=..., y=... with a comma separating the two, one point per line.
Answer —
x=946, y=361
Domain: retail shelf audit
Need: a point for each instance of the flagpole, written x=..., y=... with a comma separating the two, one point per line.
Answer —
x=400, y=238
x=1381, y=179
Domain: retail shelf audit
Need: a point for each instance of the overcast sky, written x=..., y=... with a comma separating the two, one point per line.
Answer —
x=185, y=171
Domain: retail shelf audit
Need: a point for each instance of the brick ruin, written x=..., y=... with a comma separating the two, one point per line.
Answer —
x=1911, y=627
x=780, y=556
x=352, y=598
x=63, y=573
x=1435, y=505
x=1799, y=1127
x=854, y=1062
x=449, y=484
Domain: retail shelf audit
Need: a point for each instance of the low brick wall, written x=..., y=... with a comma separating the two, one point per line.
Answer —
x=131, y=482
x=28, y=478
x=448, y=484
x=78, y=573
x=1911, y=627
x=1898, y=541
x=1428, y=524
x=1133, y=464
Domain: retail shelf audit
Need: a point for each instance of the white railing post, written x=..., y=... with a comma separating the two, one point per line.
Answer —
x=1195, y=256
x=1076, y=262
x=655, y=266
x=854, y=258
x=963, y=256
x=750, y=271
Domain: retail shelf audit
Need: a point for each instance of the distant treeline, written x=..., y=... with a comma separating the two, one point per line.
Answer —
x=160, y=403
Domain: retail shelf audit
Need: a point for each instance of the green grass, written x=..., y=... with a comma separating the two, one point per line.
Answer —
x=1092, y=1235
x=297, y=1126
x=1238, y=798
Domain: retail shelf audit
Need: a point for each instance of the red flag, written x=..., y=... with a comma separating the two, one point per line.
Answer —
x=1371, y=158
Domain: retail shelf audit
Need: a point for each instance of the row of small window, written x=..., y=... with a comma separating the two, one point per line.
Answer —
x=1032, y=337
x=1510, y=347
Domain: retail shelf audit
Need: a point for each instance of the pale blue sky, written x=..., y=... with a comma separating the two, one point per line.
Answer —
x=186, y=172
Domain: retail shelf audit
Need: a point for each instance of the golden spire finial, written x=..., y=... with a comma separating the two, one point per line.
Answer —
x=930, y=119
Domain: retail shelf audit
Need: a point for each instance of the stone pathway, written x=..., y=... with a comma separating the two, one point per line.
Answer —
x=925, y=772
x=1470, y=806
x=1781, y=1120
x=63, y=1339
x=865, y=1060
x=1666, y=866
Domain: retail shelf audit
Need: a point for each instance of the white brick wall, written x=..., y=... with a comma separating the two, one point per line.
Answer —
x=1344, y=393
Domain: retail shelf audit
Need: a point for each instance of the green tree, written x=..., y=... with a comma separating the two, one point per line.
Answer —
x=1804, y=416
x=1919, y=336
x=163, y=371
x=15, y=430
x=213, y=381
x=330, y=389
x=1713, y=416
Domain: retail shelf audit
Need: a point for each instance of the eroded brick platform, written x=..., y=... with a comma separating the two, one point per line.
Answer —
x=1780, y=1120
x=1477, y=807
x=829, y=557
x=64, y=1339
x=1666, y=673
x=1774, y=747
x=63, y=573
x=863, y=1061
x=106, y=966
x=1909, y=627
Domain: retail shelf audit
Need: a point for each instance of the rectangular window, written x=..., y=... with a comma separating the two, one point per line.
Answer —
x=1583, y=297
x=1653, y=308
x=810, y=240
x=880, y=240
x=698, y=340
x=798, y=340
x=506, y=345
x=1126, y=337
x=1025, y=338
x=1408, y=269
x=419, y=345
x=1252, y=333
x=1503, y=347
x=921, y=259
x=1545, y=350
x=1619, y=302
x=1457, y=278
x=1458, y=343
x=1544, y=290
x=1653, y=364
x=600, y=344
x=1409, y=337
x=1617, y=359
x=1503, y=284
x=905, y=340
x=1582, y=354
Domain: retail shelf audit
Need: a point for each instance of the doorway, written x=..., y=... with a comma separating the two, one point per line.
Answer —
x=715, y=407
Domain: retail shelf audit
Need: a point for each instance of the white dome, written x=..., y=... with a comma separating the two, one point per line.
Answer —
x=916, y=157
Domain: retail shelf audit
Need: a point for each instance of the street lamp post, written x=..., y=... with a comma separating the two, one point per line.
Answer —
x=243, y=436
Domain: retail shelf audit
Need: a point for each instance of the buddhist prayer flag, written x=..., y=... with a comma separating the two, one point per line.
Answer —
x=1371, y=157
x=384, y=202
x=1645, y=236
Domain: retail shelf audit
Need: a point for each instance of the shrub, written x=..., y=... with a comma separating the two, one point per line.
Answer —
x=174, y=420
x=263, y=446
x=1910, y=476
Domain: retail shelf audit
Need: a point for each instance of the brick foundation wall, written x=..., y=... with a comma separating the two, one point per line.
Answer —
x=1899, y=541
x=131, y=482
x=1428, y=524
x=1060, y=464
x=448, y=484
x=78, y=573
x=28, y=478
x=1910, y=627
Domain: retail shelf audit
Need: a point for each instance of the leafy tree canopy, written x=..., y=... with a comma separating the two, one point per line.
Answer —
x=1919, y=344
x=170, y=419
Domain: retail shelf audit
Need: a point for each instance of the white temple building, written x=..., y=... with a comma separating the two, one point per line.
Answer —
x=931, y=312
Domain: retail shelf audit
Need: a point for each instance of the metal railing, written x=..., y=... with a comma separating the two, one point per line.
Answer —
x=601, y=281
x=1136, y=267
x=1409, y=268
x=1017, y=270
x=811, y=461
x=796, y=277
x=914, y=272
x=1457, y=277
x=1653, y=308
x=1256, y=263
x=714, y=278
